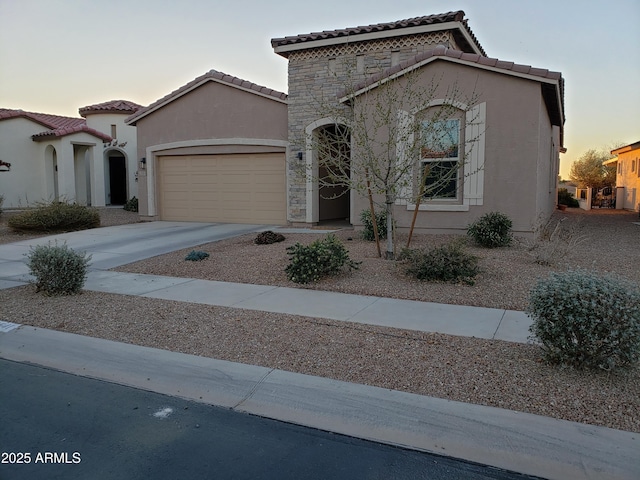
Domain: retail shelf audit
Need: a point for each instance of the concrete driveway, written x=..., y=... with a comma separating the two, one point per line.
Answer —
x=111, y=247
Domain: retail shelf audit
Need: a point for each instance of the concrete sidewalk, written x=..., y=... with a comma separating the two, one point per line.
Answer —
x=461, y=320
x=520, y=442
x=111, y=247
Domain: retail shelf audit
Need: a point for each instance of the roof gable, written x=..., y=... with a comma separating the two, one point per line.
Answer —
x=44, y=119
x=210, y=76
x=58, y=125
x=454, y=21
x=552, y=82
x=113, y=106
x=70, y=130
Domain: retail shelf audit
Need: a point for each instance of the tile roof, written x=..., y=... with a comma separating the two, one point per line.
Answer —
x=58, y=125
x=457, y=16
x=441, y=52
x=44, y=119
x=113, y=106
x=64, y=131
x=552, y=83
x=211, y=75
x=448, y=53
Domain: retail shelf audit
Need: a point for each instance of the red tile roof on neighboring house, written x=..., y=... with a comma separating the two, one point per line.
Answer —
x=212, y=75
x=440, y=52
x=113, y=106
x=64, y=131
x=58, y=125
x=457, y=16
x=44, y=119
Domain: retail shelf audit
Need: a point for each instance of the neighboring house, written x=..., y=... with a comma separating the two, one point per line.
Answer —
x=518, y=118
x=224, y=149
x=214, y=150
x=90, y=160
x=627, y=164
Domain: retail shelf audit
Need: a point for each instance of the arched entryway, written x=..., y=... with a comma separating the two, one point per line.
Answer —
x=115, y=177
x=333, y=153
x=51, y=169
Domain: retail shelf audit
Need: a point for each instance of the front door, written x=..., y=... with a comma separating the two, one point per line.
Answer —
x=117, y=180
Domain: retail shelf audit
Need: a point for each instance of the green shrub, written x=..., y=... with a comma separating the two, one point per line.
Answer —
x=565, y=198
x=446, y=263
x=268, y=237
x=381, y=222
x=309, y=263
x=59, y=270
x=131, y=205
x=55, y=217
x=196, y=256
x=491, y=230
x=586, y=320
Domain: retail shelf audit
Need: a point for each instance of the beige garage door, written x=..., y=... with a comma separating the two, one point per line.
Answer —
x=236, y=188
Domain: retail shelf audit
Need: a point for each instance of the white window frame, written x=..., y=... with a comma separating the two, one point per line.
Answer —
x=472, y=172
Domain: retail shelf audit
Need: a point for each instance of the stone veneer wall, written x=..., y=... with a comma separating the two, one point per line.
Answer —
x=317, y=75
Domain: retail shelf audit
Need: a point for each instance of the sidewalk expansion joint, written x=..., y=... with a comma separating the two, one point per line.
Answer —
x=504, y=312
x=239, y=303
x=253, y=389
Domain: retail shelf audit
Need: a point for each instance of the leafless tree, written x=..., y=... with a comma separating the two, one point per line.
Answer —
x=397, y=140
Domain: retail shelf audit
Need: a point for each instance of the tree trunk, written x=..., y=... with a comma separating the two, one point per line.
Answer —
x=389, y=254
x=374, y=220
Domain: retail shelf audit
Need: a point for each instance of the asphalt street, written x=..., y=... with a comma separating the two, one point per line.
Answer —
x=56, y=425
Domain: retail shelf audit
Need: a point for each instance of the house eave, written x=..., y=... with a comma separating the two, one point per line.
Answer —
x=285, y=50
x=133, y=119
x=555, y=83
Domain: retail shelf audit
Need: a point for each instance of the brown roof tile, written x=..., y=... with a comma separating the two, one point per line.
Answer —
x=58, y=125
x=553, y=97
x=69, y=130
x=457, y=16
x=49, y=121
x=211, y=75
x=112, y=106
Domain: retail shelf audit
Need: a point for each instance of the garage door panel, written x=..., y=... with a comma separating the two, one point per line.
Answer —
x=223, y=188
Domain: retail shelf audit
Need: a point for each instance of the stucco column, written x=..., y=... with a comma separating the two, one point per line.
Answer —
x=66, y=172
x=97, y=162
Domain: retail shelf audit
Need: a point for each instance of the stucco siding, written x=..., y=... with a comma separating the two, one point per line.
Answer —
x=25, y=183
x=213, y=110
x=511, y=149
x=628, y=180
x=212, y=119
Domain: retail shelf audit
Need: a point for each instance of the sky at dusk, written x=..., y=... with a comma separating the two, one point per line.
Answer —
x=59, y=55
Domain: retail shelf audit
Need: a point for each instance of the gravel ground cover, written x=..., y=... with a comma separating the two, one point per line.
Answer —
x=487, y=372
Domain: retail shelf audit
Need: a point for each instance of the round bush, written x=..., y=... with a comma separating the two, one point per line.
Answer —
x=59, y=270
x=268, y=237
x=309, y=263
x=381, y=223
x=491, y=230
x=586, y=320
x=55, y=217
x=446, y=263
x=196, y=256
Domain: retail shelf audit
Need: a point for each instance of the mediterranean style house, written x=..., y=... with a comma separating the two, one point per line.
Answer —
x=225, y=149
x=89, y=160
x=516, y=120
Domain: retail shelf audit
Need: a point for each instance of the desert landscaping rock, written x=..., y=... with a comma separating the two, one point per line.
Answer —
x=487, y=372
